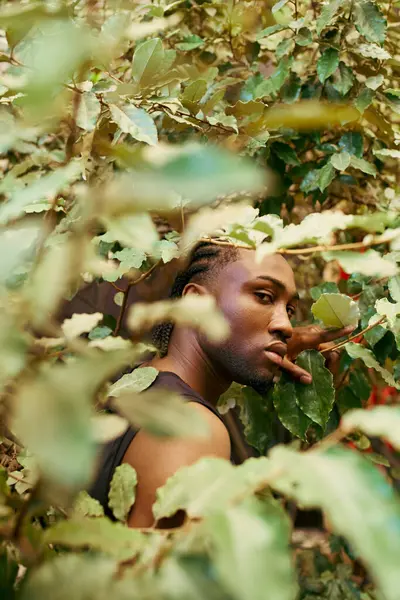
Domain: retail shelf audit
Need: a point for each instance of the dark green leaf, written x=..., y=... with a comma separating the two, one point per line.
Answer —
x=363, y=99
x=327, y=64
x=303, y=37
x=352, y=142
x=286, y=153
x=315, y=400
x=325, y=176
x=257, y=415
x=369, y=21
x=288, y=411
x=344, y=79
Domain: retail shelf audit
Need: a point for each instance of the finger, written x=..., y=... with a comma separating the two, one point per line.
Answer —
x=296, y=372
x=328, y=335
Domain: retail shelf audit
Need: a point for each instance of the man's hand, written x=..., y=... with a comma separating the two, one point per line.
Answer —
x=313, y=337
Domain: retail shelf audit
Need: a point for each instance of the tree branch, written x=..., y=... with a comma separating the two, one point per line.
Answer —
x=353, y=337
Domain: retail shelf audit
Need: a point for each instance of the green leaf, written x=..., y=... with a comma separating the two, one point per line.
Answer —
x=86, y=506
x=278, y=5
x=78, y=576
x=166, y=250
x=288, y=411
x=209, y=485
x=135, y=121
x=250, y=548
x=130, y=258
x=394, y=288
x=137, y=231
x=80, y=323
x=146, y=61
x=88, y=112
x=161, y=413
x=327, y=64
x=328, y=13
x=137, y=381
x=388, y=309
x=63, y=445
x=46, y=187
x=190, y=42
x=367, y=356
x=344, y=79
x=121, y=495
x=17, y=248
x=286, y=153
x=257, y=415
x=380, y=421
x=315, y=400
x=352, y=142
x=325, y=176
x=101, y=534
x=341, y=160
x=284, y=47
x=336, y=310
x=387, y=152
x=303, y=37
x=373, y=83
x=363, y=100
x=264, y=33
x=369, y=263
x=369, y=21
x=358, y=501
x=363, y=165
x=327, y=287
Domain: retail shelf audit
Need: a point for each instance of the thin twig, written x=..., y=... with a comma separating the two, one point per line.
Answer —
x=126, y=295
x=355, y=336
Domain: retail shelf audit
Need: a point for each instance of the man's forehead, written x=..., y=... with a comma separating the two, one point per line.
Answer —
x=273, y=267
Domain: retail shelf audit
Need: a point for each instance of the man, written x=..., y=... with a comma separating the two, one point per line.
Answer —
x=258, y=300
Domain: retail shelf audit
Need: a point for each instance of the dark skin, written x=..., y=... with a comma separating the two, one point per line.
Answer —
x=258, y=300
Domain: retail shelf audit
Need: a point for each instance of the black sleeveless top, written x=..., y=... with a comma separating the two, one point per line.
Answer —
x=113, y=452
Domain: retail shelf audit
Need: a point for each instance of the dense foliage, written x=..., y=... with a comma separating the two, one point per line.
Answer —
x=269, y=124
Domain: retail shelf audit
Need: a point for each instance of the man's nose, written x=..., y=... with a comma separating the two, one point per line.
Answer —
x=280, y=323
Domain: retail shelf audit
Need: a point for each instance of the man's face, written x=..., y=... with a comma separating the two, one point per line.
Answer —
x=258, y=300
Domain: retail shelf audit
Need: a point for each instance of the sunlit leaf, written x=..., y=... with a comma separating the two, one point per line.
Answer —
x=341, y=160
x=337, y=481
x=17, y=248
x=199, y=312
x=380, y=421
x=278, y=5
x=88, y=112
x=210, y=485
x=147, y=61
x=250, y=547
x=85, y=506
x=162, y=413
x=363, y=165
x=107, y=427
x=328, y=13
x=387, y=152
x=113, y=539
x=336, y=310
x=135, y=121
x=80, y=323
x=137, y=381
x=369, y=21
x=373, y=83
x=367, y=356
x=394, y=288
x=325, y=176
x=121, y=495
x=44, y=188
x=368, y=263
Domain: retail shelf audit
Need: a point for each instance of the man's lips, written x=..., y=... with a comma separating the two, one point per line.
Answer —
x=276, y=352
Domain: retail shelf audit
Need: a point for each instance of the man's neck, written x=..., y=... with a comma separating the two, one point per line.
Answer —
x=187, y=359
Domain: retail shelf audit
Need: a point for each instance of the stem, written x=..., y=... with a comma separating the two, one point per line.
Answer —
x=353, y=337
x=126, y=295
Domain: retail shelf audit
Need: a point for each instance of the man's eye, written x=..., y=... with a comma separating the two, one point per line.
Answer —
x=291, y=312
x=264, y=297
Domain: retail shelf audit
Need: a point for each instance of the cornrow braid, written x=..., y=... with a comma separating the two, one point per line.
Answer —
x=206, y=259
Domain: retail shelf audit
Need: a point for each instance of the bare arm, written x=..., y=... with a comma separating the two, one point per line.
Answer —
x=155, y=459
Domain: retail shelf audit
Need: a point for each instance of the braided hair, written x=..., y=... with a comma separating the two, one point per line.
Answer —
x=206, y=260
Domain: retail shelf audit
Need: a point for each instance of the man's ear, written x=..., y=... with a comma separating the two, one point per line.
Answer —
x=195, y=288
